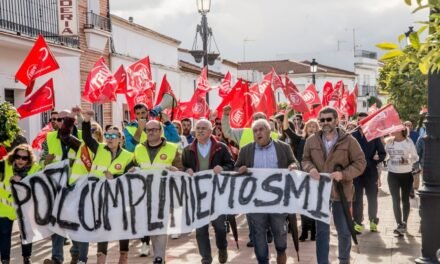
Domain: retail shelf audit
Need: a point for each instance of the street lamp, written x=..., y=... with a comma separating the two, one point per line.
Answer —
x=205, y=32
x=430, y=191
x=407, y=34
x=313, y=70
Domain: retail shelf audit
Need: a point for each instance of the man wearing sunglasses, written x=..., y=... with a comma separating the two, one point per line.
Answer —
x=135, y=132
x=61, y=144
x=324, y=152
x=157, y=153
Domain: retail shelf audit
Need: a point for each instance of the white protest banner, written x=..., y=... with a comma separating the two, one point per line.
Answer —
x=158, y=202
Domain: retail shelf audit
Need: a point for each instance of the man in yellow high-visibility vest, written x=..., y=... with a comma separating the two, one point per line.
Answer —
x=157, y=153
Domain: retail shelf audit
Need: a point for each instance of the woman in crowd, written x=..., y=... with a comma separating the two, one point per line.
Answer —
x=183, y=141
x=310, y=128
x=402, y=155
x=19, y=163
x=110, y=161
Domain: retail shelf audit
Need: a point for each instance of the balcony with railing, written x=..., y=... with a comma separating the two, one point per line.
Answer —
x=94, y=21
x=368, y=90
x=365, y=54
x=33, y=18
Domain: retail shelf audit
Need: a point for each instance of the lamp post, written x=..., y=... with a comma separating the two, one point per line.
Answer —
x=430, y=191
x=204, y=6
x=313, y=70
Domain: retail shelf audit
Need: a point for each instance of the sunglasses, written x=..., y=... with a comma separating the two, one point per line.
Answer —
x=24, y=158
x=328, y=119
x=218, y=124
x=149, y=130
x=110, y=136
x=60, y=119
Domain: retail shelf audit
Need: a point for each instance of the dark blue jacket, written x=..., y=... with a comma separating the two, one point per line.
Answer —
x=370, y=149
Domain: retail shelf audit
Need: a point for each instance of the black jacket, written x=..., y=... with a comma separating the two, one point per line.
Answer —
x=218, y=155
x=370, y=149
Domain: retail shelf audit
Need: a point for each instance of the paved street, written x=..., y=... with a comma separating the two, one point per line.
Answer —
x=381, y=247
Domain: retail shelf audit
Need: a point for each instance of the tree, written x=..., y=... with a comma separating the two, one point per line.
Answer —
x=406, y=86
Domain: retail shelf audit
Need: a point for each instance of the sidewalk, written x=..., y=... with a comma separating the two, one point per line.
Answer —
x=380, y=247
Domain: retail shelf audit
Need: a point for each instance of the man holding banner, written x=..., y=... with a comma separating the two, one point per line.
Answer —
x=157, y=153
x=206, y=153
x=266, y=153
x=324, y=151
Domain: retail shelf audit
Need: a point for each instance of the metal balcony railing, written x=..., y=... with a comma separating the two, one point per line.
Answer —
x=96, y=21
x=33, y=18
x=368, y=90
x=365, y=54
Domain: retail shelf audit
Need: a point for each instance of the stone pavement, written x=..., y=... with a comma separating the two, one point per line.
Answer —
x=381, y=247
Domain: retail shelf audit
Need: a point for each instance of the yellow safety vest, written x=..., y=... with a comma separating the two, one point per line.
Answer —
x=144, y=136
x=7, y=208
x=78, y=167
x=164, y=156
x=247, y=136
x=103, y=161
x=54, y=146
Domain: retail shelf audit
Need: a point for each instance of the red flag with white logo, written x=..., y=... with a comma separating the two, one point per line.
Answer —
x=267, y=102
x=202, y=82
x=351, y=102
x=41, y=137
x=40, y=101
x=327, y=93
x=140, y=86
x=226, y=86
x=121, y=80
x=197, y=107
x=295, y=98
x=240, y=101
x=276, y=80
x=100, y=85
x=39, y=62
x=381, y=123
x=311, y=97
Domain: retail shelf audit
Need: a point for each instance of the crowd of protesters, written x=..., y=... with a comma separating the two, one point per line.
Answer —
x=323, y=145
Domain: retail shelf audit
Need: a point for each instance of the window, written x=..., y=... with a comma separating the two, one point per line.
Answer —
x=45, y=118
x=94, y=6
x=99, y=114
x=9, y=96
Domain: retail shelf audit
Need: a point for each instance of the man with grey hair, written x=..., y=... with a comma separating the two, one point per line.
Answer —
x=266, y=153
x=206, y=153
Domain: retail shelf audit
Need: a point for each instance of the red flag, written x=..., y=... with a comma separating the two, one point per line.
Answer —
x=351, y=102
x=327, y=93
x=295, y=98
x=42, y=100
x=267, y=80
x=312, y=113
x=165, y=87
x=240, y=101
x=140, y=86
x=41, y=137
x=225, y=86
x=179, y=111
x=38, y=62
x=372, y=109
x=267, y=102
x=276, y=80
x=381, y=123
x=311, y=96
x=121, y=79
x=202, y=82
x=100, y=85
x=197, y=107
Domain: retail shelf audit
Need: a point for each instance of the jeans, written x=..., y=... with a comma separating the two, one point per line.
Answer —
x=323, y=236
x=260, y=223
x=123, y=246
x=80, y=249
x=159, y=243
x=202, y=236
x=400, y=182
x=57, y=247
x=368, y=182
